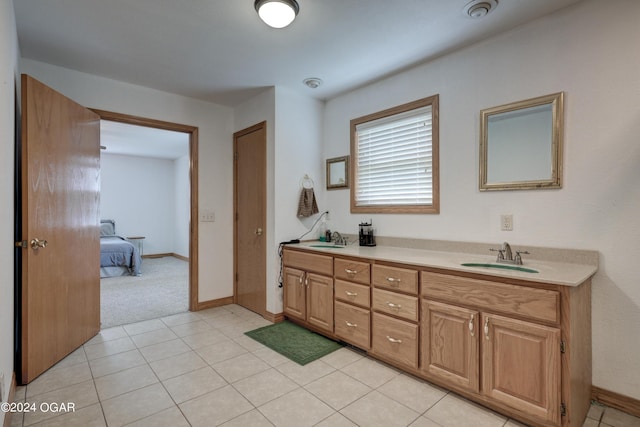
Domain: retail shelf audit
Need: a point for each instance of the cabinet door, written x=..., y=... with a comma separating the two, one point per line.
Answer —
x=450, y=343
x=294, y=293
x=521, y=365
x=320, y=301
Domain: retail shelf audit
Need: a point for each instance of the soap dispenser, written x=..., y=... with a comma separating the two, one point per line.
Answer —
x=322, y=230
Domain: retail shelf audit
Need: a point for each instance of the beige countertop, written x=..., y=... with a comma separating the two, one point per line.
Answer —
x=558, y=273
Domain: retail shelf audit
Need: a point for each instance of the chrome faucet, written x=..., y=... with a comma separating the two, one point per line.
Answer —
x=505, y=255
x=338, y=239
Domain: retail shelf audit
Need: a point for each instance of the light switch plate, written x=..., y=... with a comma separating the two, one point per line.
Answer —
x=207, y=216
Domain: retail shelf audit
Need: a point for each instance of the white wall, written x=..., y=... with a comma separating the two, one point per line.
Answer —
x=182, y=206
x=8, y=75
x=215, y=124
x=590, y=52
x=139, y=194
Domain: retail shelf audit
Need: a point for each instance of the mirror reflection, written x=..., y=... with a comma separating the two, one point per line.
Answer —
x=520, y=144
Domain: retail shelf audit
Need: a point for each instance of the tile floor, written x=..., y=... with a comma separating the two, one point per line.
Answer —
x=198, y=369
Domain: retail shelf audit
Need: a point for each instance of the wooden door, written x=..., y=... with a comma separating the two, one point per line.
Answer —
x=521, y=365
x=60, y=191
x=320, y=301
x=250, y=177
x=295, y=293
x=450, y=344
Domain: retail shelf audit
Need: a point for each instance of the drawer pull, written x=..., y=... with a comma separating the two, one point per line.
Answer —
x=471, y=325
x=394, y=306
x=394, y=340
x=393, y=281
x=300, y=278
x=351, y=325
x=486, y=328
x=351, y=294
x=349, y=271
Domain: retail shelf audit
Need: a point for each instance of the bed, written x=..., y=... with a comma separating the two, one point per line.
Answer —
x=118, y=257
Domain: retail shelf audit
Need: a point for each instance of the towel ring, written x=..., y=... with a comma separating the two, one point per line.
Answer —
x=306, y=182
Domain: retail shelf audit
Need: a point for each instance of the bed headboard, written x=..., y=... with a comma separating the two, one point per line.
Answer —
x=107, y=227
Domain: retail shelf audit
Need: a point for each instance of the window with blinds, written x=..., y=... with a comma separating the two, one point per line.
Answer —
x=395, y=155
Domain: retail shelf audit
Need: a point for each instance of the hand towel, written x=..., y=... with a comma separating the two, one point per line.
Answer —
x=307, y=205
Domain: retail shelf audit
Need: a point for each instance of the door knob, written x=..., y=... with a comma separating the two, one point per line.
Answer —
x=259, y=231
x=37, y=243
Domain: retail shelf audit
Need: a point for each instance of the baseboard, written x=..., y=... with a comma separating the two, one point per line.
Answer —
x=275, y=318
x=10, y=398
x=183, y=258
x=203, y=305
x=615, y=400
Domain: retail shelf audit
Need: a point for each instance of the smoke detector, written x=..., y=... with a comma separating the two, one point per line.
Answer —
x=479, y=8
x=312, y=82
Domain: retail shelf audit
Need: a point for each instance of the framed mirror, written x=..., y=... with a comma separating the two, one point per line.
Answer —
x=338, y=173
x=521, y=144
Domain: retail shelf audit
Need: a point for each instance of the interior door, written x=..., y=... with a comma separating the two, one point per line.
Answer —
x=250, y=153
x=60, y=191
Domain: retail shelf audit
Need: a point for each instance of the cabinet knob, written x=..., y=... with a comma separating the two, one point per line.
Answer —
x=394, y=340
x=486, y=328
x=258, y=231
x=472, y=325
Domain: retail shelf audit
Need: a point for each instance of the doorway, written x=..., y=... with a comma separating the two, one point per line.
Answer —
x=192, y=133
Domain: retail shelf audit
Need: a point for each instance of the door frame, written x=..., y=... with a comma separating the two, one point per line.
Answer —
x=193, y=181
x=258, y=126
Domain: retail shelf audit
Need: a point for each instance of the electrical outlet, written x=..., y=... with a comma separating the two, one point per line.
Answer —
x=207, y=216
x=506, y=222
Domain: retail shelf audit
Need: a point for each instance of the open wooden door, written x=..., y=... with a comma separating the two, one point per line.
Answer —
x=60, y=185
x=250, y=189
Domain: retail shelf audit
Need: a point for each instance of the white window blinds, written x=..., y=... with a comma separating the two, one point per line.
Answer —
x=395, y=161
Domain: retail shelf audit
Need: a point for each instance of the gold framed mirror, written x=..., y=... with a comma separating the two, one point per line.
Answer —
x=338, y=173
x=521, y=144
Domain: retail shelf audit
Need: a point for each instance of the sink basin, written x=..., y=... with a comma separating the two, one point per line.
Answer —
x=500, y=267
x=327, y=246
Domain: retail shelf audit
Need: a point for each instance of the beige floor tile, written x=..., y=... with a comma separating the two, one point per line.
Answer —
x=193, y=384
x=336, y=420
x=303, y=375
x=108, y=335
x=177, y=365
x=514, y=423
x=91, y=416
x=153, y=337
x=75, y=357
x=136, y=405
x=204, y=339
x=237, y=329
x=424, y=422
x=164, y=349
x=273, y=358
x=17, y=419
x=370, y=372
x=171, y=417
x=249, y=343
x=590, y=422
x=337, y=389
x=117, y=362
x=125, y=381
x=215, y=408
x=298, y=408
x=342, y=357
x=616, y=418
x=108, y=348
x=73, y=398
x=55, y=379
x=144, y=326
x=416, y=394
x=596, y=411
x=220, y=351
x=240, y=367
x=250, y=419
x=180, y=319
x=377, y=410
x=455, y=411
x=192, y=328
x=265, y=386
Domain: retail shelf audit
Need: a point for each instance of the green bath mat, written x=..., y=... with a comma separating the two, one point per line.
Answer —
x=295, y=342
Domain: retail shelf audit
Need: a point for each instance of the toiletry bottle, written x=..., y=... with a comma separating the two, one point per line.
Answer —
x=322, y=231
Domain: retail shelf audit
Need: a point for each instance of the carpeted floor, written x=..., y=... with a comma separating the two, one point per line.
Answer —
x=163, y=289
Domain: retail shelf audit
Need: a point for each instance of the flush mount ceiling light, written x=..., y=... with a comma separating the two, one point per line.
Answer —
x=312, y=82
x=277, y=13
x=479, y=8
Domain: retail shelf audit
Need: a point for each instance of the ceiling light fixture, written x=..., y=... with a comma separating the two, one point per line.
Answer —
x=312, y=82
x=277, y=13
x=479, y=8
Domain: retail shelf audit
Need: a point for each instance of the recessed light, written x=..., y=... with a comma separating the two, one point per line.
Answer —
x=479, y=8
x=312, y=82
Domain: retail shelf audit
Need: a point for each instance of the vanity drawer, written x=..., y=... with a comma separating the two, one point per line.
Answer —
x=354, y=271
x=309, y=262
x=395, y=278
x=396, y=304
x=533, y=303
x=352, y=293
x=352, y=324
x=395, y=339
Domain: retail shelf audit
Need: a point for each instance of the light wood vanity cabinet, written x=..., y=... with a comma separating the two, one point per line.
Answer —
x=353, y=302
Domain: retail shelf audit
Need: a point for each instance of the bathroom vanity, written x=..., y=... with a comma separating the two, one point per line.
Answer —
x=513, y=340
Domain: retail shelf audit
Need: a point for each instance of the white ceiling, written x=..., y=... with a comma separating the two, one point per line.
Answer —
x=220, y=51
x=131, y=140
